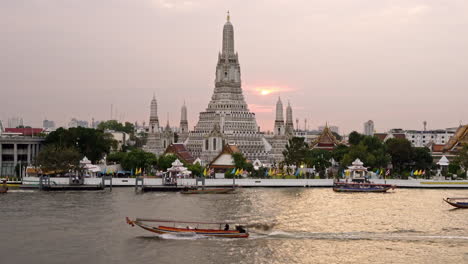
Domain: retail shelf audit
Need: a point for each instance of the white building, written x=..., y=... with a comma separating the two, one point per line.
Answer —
x=369, y=128
x=423, y=138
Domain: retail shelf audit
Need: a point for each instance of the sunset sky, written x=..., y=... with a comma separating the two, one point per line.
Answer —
x=344, y=62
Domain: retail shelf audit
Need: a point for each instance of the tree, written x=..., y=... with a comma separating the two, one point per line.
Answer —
x=58, y=159
x=354, y=138
x=196, y=169
x=295, y=151
x=116, y=157
x=239, y=160
x=165, y=161
x=400, y=151
x=88, y=142
x=126, y=127
x=421, y=157
x=339, y=152
x=318, y=158
x=462, y=157
x=136, y=159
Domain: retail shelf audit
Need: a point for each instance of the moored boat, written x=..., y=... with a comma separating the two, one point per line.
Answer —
x=164, y=227
x=361, y=187
x=457, y=202
x=4, y=187
x=207, y=190
x=357, y=181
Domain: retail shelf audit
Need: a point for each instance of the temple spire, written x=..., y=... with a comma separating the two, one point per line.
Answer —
x=228, y=16
x=228, y=36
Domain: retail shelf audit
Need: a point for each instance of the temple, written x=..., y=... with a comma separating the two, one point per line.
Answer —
x=158, y=138
x=227, y=119
x=325, y=141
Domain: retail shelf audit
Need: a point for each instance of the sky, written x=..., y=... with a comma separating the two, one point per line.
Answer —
x=341, y=62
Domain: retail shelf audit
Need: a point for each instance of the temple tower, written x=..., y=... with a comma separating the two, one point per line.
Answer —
x=154, y=121
x=154, y=143
x=183, y=133
x=279, y=120
x=227, y=117
x=289, y=120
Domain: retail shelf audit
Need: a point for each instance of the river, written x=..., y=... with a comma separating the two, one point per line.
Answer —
x=287, y=225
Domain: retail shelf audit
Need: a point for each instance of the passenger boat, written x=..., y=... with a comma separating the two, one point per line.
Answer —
x=361, y=187
x=457, y=202
x=207, y=190
x=176, y=228
x=357, y=181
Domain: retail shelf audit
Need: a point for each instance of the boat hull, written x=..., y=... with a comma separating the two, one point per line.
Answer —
x=208, y=191
x=457, y=204
x=190, y=231
x=361, y=187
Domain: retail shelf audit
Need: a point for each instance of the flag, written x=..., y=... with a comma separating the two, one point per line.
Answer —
x=412, y=173
x=233, y=171
x=131, y=172
x=388, y=172
x=266, y=173
x=342, y=174
x=270, y=172
x=381, y=171
x=297, y=173
x=417, y=173
x=241, y=171
x=424, y=172
x=204, y=172
x=377, y=172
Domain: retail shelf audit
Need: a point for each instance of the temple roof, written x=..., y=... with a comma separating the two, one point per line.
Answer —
x=460, y=137
x=227, y=149
x=181, y=152
x=326, y=140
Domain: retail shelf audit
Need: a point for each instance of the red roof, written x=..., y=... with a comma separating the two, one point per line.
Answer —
x=181, y=152
x=399, y=135
x=438, y=147
x=380, y=136
x=24, y=131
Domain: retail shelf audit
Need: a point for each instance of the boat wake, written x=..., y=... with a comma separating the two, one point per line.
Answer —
x=393, y=236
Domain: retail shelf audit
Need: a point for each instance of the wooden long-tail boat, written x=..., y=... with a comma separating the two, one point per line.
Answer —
x=457, y=202
x=208, y=190
x=164, y=228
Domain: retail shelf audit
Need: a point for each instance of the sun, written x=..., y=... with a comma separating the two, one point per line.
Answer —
x=265, y=92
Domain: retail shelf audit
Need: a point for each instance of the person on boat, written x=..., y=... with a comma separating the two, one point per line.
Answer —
x=226, y=227
x=240, y=229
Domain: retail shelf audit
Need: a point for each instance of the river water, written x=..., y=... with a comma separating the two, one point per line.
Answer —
x=290, y=225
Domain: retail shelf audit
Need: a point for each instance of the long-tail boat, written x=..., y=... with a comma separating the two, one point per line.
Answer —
x=457, y=202
x=208, y=190
x=164, y=227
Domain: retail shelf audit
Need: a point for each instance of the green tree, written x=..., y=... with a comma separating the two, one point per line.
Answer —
x=126, y=127
x=400, y=151
x=295, y=151
x=239, y=160
x=116, y=157
x=196, y=169
x=58, y=159
x=422, y=158
x=462, y=158
x=339, y=152
x=318, y=158
x=165, y=161
x=92, y=143
x=354, y=138
x=138, y=158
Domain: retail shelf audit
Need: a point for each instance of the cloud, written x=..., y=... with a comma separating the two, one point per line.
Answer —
x=175, y=4
x=256, y=108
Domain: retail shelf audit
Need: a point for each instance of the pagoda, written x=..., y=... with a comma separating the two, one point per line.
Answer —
x=227, y=119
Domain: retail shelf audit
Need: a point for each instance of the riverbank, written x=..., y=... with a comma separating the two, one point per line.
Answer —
x=270, y=183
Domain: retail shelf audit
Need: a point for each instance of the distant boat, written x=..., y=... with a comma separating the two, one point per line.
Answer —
x=457, y=202
x=169, y=227
x=4, y=187
x=208, y=190
x=361, y=187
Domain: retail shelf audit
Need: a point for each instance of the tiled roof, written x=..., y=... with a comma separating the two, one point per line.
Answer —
x=24, y=131
x=181, y=152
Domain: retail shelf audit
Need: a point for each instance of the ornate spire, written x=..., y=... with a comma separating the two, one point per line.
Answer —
x=279, y=110
x=154, y=121
x=228, y=37
x=228, y=16
x=289, y=120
